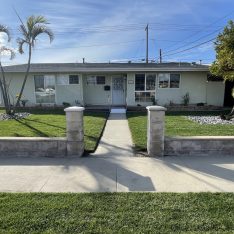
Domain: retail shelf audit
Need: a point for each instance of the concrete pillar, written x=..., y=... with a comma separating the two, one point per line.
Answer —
x=155, y=130
x=75, y=131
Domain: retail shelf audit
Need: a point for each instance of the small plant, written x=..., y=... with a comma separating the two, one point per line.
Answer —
x=154, y=101
x=186, y=99
x=66, y=104
x=23, y=102
x=171, y=103
x=77, y=102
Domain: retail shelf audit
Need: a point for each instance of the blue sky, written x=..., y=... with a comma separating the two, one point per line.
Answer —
x=105, y=30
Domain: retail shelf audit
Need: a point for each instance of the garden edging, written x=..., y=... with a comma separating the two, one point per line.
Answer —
x=33, y=146
x=199, y=145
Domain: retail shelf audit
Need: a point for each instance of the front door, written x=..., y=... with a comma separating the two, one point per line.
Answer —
x=118, y=90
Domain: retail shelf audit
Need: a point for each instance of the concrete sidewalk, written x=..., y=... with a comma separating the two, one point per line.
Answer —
x=117, y=174
x=116, y=139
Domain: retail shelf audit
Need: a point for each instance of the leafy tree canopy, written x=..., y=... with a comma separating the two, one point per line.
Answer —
x=224, y=47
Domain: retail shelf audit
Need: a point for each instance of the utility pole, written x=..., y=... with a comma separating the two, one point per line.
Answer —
x=147, y=43
x=160, y=55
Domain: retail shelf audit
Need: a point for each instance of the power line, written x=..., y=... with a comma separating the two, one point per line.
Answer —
x=94, y=45
x=209, y=25
x=205, y=42
x=192, y=41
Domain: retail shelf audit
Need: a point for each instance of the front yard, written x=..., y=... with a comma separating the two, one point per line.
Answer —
x=176, y=125
x=51, y=123
x=117, y=213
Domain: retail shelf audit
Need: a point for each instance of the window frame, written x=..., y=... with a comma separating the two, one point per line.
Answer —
x=145, y=90
x=169, y=82
x=70, y=77
x=95, y=81
x=35, y=92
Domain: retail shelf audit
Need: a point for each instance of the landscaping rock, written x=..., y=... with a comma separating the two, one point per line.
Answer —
x=23, y=115
x=210, y=120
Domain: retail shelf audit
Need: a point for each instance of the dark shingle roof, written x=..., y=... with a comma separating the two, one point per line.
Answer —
x=106, y=67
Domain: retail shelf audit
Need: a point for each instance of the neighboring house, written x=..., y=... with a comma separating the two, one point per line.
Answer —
x=115, y=84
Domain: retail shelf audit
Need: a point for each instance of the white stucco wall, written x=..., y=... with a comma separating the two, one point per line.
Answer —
x=194, y=83
x=95, y=94
x=69, y=93
x=215, y=93
x=64, y=93
x=16, y=81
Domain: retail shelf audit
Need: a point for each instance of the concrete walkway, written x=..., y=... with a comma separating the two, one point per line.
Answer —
x=113, y=169
x=116, y=139
x=117, y=174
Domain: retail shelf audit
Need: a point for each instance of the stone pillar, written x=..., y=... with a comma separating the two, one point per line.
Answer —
x=155, y=131
x=75, y=131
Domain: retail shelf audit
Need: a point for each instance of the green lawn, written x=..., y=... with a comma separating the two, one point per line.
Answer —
x=117, y=213
x=51, y=123
x=176, y=125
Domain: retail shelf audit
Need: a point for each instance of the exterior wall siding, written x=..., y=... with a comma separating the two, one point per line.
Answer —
x=95, y=94
x=215, y=93
x=194, y=83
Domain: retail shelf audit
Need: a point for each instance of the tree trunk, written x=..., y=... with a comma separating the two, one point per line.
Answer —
x=26, y=76
x=5, y=94
x=230, y=116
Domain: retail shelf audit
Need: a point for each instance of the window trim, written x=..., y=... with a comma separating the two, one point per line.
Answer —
x=70, y=74
x=169, y=81
x=55, y=93
x=145, y=90
x=74, y=75
x=95, y=83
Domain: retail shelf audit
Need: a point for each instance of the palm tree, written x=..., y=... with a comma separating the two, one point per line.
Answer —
x=3, y=84
x=35, y=26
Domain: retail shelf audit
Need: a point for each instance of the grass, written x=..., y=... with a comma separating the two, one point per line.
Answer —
x=51, y=123
x=117, y=213
x=176, y=125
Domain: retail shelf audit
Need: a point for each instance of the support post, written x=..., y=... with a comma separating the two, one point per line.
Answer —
x=155, y=131
x=75, y=131
x=147, y=44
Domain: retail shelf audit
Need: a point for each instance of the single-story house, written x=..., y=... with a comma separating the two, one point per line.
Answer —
x=114, y=84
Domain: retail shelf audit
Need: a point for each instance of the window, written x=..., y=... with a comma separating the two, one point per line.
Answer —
x=150, y=82
x=101, y=79
x=166, y=80
x=45, y=88
x=144, y=87
x=144, y=96
x=73, y=79
x=96, y=80
x=64, y=79
x=174, y=80
x=139, y=82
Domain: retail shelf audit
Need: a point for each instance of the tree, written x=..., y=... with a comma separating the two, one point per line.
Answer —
x=35, y=26
x=3, y=84
x=224, y=63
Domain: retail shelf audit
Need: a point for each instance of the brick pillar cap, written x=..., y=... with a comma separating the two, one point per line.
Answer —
x=74, y=109
x=156, y=108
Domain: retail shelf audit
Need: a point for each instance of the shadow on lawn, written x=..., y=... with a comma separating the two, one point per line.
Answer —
x=35, y=130
x=51, y=125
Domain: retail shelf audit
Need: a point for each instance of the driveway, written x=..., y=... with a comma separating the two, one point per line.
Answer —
x=118, y=174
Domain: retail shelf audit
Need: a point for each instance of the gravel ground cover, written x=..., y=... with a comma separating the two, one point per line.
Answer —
x=209, y=120
x=4, y=116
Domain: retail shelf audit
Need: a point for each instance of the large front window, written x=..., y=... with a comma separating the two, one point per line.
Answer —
x=45, y=88
x=144, y=87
